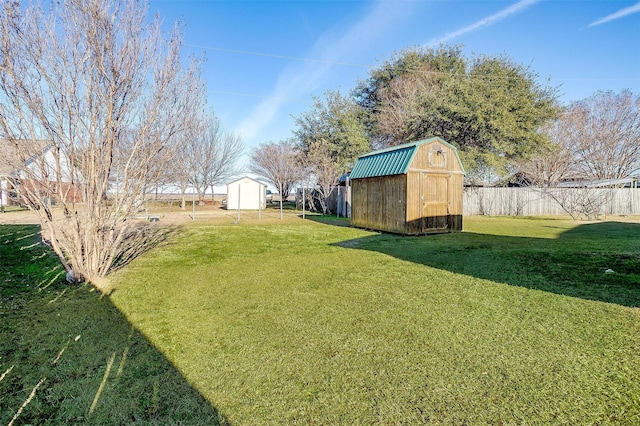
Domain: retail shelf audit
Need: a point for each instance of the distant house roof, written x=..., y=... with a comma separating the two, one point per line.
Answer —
x=599, y=183
x=392, y=161
x=10, y=160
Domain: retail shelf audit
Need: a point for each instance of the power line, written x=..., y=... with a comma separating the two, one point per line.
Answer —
x=247, y=95
x=270, y=55
x=350, y=64
x=389, y=66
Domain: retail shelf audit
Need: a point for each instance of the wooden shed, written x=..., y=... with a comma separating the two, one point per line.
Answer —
x=411, y=189
x=246, y=194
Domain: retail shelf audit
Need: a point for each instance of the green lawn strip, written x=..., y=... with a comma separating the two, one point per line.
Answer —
x=310, y=323
x=541, y=254
x=9, y=209
x=80, y=349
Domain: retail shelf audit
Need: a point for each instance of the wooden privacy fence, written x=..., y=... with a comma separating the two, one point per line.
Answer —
x=526, y=201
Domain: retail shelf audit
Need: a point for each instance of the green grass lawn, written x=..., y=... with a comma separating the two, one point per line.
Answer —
x=68, y=356
x=513, y=321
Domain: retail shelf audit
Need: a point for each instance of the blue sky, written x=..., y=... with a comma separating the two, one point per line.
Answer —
x=266, y=58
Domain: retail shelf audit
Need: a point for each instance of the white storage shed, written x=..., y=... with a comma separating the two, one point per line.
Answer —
x=246, y=194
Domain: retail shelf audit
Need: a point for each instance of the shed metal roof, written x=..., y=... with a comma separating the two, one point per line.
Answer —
x=246, y=177
x=391, y=161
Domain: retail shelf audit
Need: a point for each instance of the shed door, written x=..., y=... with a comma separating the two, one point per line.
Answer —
x=435, y=202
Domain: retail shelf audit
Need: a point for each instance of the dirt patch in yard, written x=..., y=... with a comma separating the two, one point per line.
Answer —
x=171, y=215
x=19, y=217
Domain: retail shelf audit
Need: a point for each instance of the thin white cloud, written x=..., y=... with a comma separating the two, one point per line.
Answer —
x=619, y=14
x=484, y=22
x=299, y=79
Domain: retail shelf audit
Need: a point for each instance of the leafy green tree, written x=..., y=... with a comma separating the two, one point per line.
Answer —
x=335, y=121
x=330, y=137
x=394, y=94
x=488, y=106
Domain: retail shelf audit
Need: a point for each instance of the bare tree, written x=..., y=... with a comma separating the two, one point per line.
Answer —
x=554, y=163
x=225, y=149
x=603, y=134
x=321, y=165
x=108, y=95
x=548, y=170
x=181, y=172
x=208, y=157
x=595, y=139
x=583, y=202
x=278, y=164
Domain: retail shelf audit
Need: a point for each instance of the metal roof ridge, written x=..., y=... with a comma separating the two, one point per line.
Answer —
x=246, y=177
x=409, y=145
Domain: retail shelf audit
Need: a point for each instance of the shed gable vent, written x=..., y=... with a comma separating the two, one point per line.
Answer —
x=437, y=156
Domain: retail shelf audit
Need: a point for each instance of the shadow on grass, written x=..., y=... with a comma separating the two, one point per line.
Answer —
x=595, y=261
x=68, y=356
x=328, y=219
x=275, y=205
x=139, y=240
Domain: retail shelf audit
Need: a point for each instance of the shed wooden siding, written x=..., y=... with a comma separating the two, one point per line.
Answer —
x=381, y=203
x=425, y=199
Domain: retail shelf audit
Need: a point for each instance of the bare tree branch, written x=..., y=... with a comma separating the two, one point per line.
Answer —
x=603, y=134
x=109, y=97
x=278, y=164
x=208, y=157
